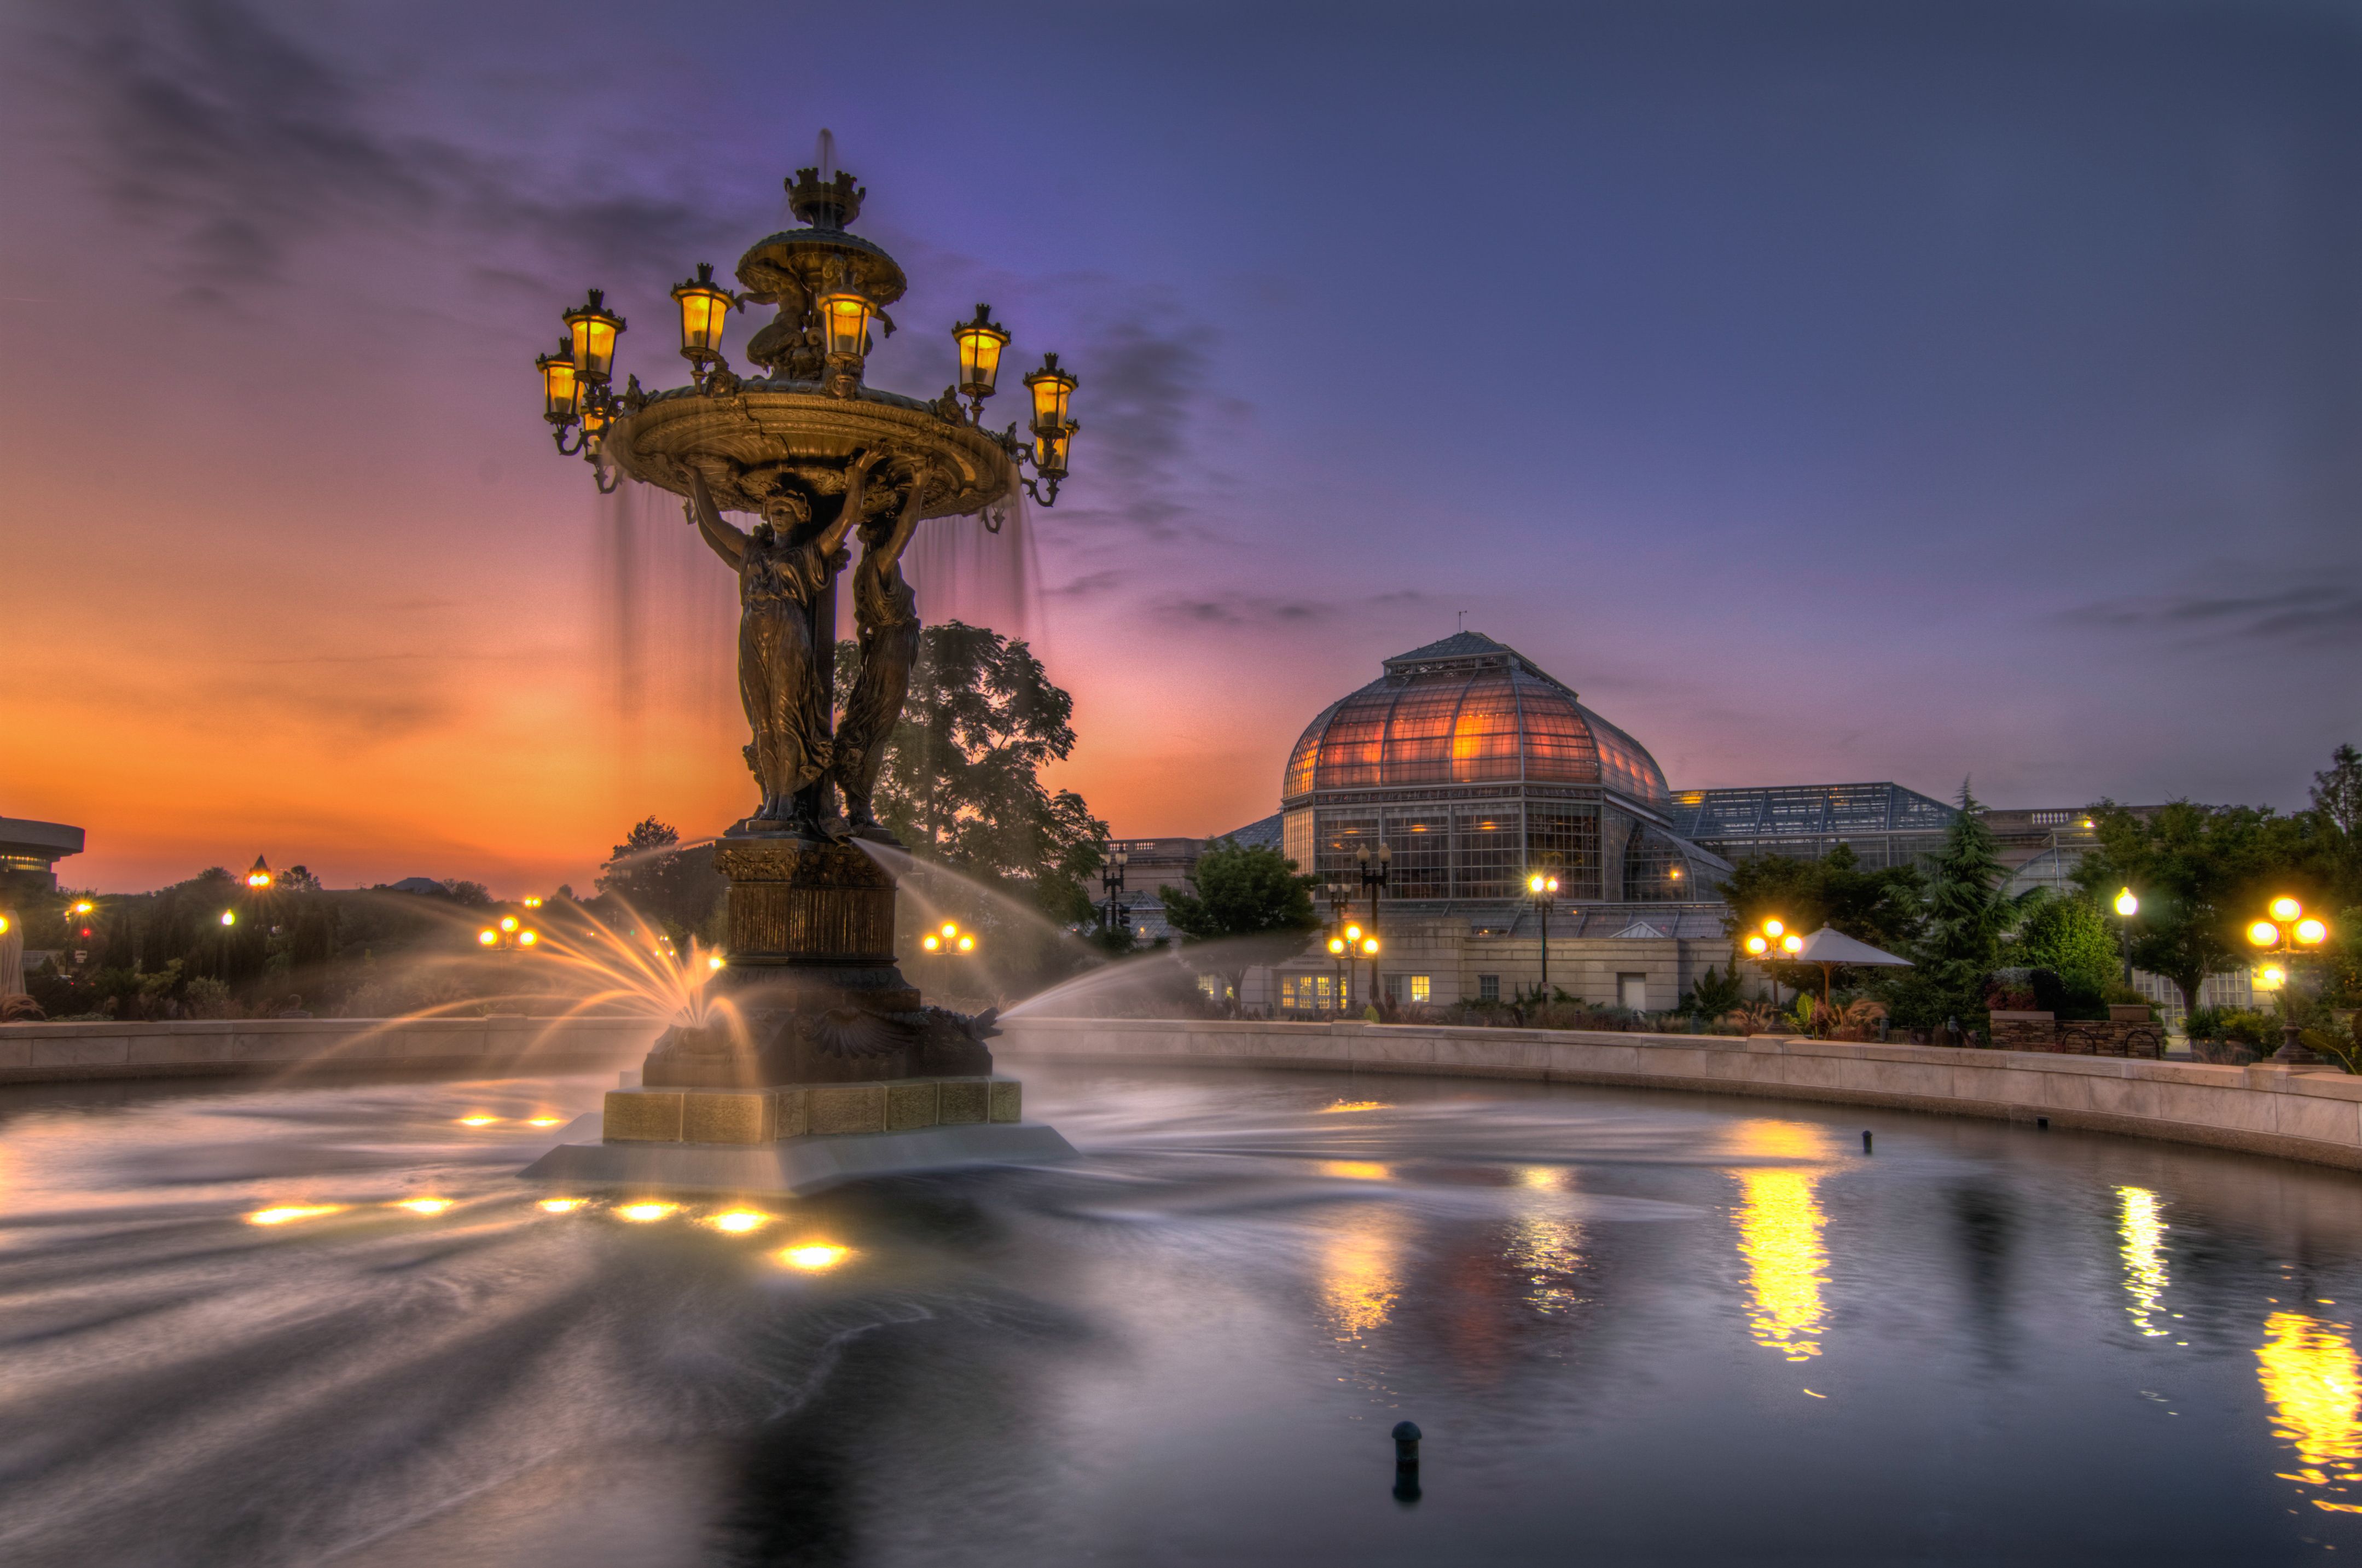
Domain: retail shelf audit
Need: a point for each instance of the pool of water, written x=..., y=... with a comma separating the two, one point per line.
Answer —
x=263, y=1325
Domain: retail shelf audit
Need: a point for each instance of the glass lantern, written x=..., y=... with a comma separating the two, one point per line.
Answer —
x=1051, y=387
x=705, y=307
x=594, y=327
x=558, y=387
x=980, y=342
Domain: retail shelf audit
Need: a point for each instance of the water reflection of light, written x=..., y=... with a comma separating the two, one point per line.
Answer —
x=424, y=1205
x=477, y=1120
x=286, y=1212
x=641, y=1213
x=813, y=1256
x=1355, y=1170
x=739, y=1221
x=1780, y=1236
x=2310, y=1376
x=1545, y=1178
x=1359, y=1281
x=1354, y=1105
x=2142, y=1232
x=544, y=1121
x=560, y=1205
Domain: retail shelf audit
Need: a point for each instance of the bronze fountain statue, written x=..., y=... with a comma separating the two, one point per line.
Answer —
x=812, y=1032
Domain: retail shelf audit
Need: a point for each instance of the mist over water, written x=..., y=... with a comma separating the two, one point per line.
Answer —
x=264, y=1325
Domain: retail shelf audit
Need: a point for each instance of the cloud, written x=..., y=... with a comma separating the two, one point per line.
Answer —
x=1090, y=584
x=2308, y=612
x=1241, y=610
x=223, y=135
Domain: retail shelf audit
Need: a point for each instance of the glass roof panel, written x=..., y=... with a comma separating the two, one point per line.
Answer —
x=1484, y=732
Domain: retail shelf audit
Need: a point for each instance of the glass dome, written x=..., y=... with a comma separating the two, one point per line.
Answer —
x=1467, y=711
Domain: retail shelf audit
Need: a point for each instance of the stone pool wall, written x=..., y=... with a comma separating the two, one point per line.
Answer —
x=70, y=1052
x=2299, y=1113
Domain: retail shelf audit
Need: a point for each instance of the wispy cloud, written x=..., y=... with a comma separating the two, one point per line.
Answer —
x=2307, y=613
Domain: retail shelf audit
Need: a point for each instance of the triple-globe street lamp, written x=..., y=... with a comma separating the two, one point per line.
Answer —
x=2287, y=934
x=1543, y=888
x=1774, y=941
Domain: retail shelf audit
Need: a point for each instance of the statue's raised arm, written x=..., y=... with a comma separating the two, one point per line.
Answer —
x=728, y=540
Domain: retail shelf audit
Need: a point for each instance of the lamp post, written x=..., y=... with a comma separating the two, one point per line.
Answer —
x=509, y=935
x=2288, y=933
x=1542, y=887
x=1112, y=884
x=2128, y=906
x=1768, y=943
x=1374, y=869
x=949, y=941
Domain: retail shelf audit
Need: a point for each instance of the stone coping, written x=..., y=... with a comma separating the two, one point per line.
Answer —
x=2306, y=1113
x=787, y=1113
x=72, y=1053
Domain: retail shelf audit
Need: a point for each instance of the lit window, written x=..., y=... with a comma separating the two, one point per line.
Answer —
x=1421, y=988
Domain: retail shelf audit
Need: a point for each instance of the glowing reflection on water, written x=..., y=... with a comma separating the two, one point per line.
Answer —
x=286, y=1213
x=1359, y=1277
x=1545, y=1247
x=2310, y=1376
x=1780, y=1236
x=813, y=1256
x=1355, y=1170
x=2140, y=1225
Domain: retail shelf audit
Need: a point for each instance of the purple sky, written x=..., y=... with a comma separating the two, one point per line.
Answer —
x=1826, y=391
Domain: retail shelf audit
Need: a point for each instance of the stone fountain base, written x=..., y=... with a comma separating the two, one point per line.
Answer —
x=797, y=1138
x=817, y=1062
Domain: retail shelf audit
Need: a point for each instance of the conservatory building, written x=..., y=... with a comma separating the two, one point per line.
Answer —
x=1475, y=768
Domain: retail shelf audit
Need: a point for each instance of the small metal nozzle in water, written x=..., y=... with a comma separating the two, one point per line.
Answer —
x=1406, y=1462
x=1865, y=1141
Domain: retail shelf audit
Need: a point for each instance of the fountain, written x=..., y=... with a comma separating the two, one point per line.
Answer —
x=812, y=1058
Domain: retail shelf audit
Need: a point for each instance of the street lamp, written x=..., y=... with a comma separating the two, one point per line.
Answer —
x=2288, y=933
x=980, y=342
x=1769, y=944
x=1543, y=887
x=948, y=939
x=1112, y=884
x=2128, y=906
x=509, y=935
x=1374, y=869
x=1053, y=432
x=705, y=307
x=259, y=877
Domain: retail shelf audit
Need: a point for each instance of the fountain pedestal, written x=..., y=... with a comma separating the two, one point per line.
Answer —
x=811, y=1038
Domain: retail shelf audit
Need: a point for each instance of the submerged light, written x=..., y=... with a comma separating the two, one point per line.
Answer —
x=740, y=1222
x=561, y=1205
x=479, y=1119
x=641, y=1213
x=424, y=1205
x=545, y=1120
x=813, y=1256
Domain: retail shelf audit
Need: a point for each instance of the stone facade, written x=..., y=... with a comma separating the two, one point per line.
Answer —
x=2041, y=1032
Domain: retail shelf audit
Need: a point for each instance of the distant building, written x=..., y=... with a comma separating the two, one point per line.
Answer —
x=1884, y=824
x=36, y=847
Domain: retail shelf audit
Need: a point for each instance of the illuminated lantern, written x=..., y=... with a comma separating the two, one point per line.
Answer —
x=1370, y=946
x=1051, y=387
x=2285, y=908
x=931, y=942
x=559, y=390
x=594, y=425
x=1791, y=943
x=1756, y=945
x=1336, y=944
x=593, y=326
x=1050, y=453
x=980, y=342
x=844, y=314
x=2126, y=905
x=2263, y=933
x=705, y=305
x=508, y=923
x=527, y=938
x=1772, y=928
x=229, y=917
x=2310, y=931
x=257, y=876
x=968, y=944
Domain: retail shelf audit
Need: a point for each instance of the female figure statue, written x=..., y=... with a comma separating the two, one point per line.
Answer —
x=886, y=615
x=780, y=679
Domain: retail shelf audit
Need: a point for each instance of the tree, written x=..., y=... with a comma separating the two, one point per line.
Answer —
x=1251, y=901
x=962, y=785
x=2075, y=937
x=1967, y=917
x=2196, y=869
x=2337, y=791
x=678, y=889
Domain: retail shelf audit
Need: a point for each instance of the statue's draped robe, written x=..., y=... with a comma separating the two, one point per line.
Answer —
x=886, y=615
x=778, y=680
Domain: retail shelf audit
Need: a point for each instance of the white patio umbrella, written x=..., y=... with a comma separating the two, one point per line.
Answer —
x=1830, y=948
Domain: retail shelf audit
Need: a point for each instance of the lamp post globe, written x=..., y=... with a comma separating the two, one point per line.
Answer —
x=2288, y=933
